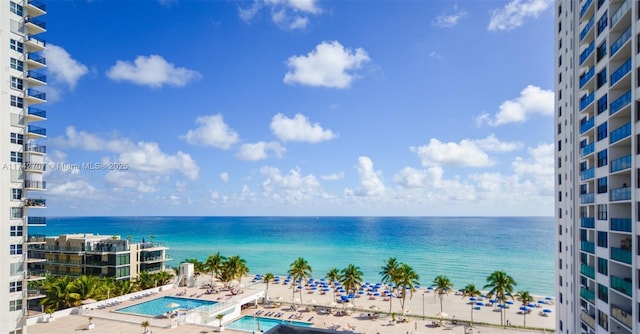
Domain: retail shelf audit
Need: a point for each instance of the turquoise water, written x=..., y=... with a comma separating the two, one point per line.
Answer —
x=466, y=249
x=251, y=324
x=159, y=306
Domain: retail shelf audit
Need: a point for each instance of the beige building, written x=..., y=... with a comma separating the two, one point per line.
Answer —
x=97, y=255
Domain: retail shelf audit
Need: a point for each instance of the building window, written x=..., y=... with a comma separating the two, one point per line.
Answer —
x=16, y=213
x=16, y=83
x=601, y=78
x=15, y=305
x=15, y=231
x=15, y=249
x=602, y=158
x=16, y=138
x=602, y=212
x=602, y=131
x=16, y=193
x=602, y=104
x=603, y=293
x=16, y=156
x=602, y=239
x=17, y=102
x=16, y=46
x=17, y=65
x=603, y=320
x=15, y=8
x=602, y=185
x=602, y=22
x=560, y=61
x=602, y=266
x=601, y=51
x=15, y=286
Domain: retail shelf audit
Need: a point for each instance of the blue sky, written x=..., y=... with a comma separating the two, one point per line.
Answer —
x=299, y=107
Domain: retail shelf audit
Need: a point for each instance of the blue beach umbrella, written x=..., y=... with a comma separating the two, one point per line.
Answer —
x=524, y=308
x=531, y=305
x=547, y=310
x=480, y=303
x=548, y=298
x=376, y=294
x=509, y=302
x=473, y=299
x=492, y=301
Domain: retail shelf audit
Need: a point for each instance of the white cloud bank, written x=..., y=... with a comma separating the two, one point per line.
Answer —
x=212, y=131
x=533, y=100
x=286, y=14
x=153, y=71
x=259, y=151
x=468, y=153
x=514, y=14
x=449, y=19
x=329, y=65
x=299, y=129
x=370, y=183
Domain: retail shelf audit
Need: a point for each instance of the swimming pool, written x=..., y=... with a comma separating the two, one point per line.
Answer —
x=160, y=306
x=250, y=323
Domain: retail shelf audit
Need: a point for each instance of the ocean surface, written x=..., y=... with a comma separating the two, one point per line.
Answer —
x=466, y=249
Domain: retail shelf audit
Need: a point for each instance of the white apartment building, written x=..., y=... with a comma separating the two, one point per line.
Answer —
x=597, y=136
x=21, y=175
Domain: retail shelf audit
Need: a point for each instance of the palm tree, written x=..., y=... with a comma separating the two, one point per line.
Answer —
x=351, y=278
x=234, y=267
x=470, y=290
x=406, y=279
x=162, y=278
x=123, y=287
x=213, y=264
x=333, y=275
x=501, y=286
x=525, y=298
x=442, y=286
x=86, y=286
x=145, y=281
x=144, y=325
x=59, y=294
x=299, y=270
x=389, y=274
x=268, y=277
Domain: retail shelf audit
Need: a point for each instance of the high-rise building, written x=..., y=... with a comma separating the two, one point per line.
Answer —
x=21, y=175
x=597, y=164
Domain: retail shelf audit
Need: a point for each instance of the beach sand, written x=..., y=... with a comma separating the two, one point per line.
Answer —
x=357, y=321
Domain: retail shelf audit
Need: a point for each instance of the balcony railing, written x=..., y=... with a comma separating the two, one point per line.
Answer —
x=620, y=133
x=620, y=102
x=620, y=42
x=620, y=72
x=586, y=28
x=587, y=76
x=588, y=222
x=621, y=255
x=37, y=58
x=37, y=130
x=35, y=202
x=35, y=148
x=38, y=5
x=587, y=125
x=586, y=100
x=36, y=75
x=622, y=285
x=35, y=184
x=620, y=12
x=620, y=164
x=588, y=246
x=587, y=270
x=107, y=248
x=588, y=295
x=621, y=224
x=585, y=7
x=37, y=40
x=587, y=52
x=36, y=112
x=38, y=23
x=588, y=149
x=588, y=319
x=36, y=221
x=65, y=262
x=587, y=198
x=622, y=316
x=36, y=238
x=36, y=94
x=620, y=194
x=587, y=174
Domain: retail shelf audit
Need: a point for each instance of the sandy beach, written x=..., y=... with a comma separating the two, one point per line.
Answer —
x=310, y=309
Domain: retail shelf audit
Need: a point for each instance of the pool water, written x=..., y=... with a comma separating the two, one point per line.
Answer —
x=160, y=306
x=250, y=323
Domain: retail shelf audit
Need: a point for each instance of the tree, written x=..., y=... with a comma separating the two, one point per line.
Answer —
x=234, y=267
x=213, y=264
x=144, y=281
x=162, y=278
x=525, y=298
x=442, y=285
x=406, y=279
x=268, y=277
x=351, y=278
x=86, y=286
x=59, y=294
x=501, y=286
x=299, y=270
x=144, y=325
x=470, y=290
x=389, y=274
x=333, y=275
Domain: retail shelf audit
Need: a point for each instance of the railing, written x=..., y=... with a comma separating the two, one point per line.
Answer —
x=587, y=198
x=585, y=7
x=621, y=255
x=620, y=72
x=30, y=274
x=63, y=249
x=38, y=5
x=36, y=220
x=40, y=202
x=36, y=238
x=620, y=194
x=620, y=163
x=37, y=58
x=36, y=75
x=621, y=41
x=155, y=259
x=37, y=40
x=620, y=12
x=588, y=295
x=622, y=316
x=38, y=23
x=587, y=52
x=587, y=270
x=36, y=112
x=37, y=130
x=587, y=27
x=620, y=102
x=620, y=133
x=33, y=292
x=587, y=174
x=622, y=285
x=587, y=125
x=147, y=245
x=586, y=100
x=588, y=222
x=588, y=149
x=36, y=93
x=588, y=246
x=60, y=261
x=35, y=184
x=106, y=248
x=588, y=319
x=35, y=148
x=587, y=76
x=620, y=224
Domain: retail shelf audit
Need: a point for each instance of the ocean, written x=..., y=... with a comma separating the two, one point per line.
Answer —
x=466, y=249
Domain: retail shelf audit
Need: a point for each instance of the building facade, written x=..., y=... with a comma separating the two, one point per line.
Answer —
x=21, y=176
x=597, y=136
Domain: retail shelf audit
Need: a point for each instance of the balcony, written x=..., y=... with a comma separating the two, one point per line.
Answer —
x=621, y=255
x=36, y=96
x=587, y=76
x=37, y=78
x=587, y=198
x=36, y=114
x=620, y=42
x=586, y=28
x=35, y=202
x=588, y=247
x=35, y=149
x=586, y=100
x=620, y=224
x=36, y=131
x=34, y=26
x=588, y=319
x=587, y=271
x=37, y=221
x=65, y=262
x=622, y=285
x=585, y=7
x=620, y=164
x=34, y=294
x=586, y=294
x=33, y=275
x=587, y=52
x=36, y=239
x=620, y=72
x=586, y=150
x=35, y=44
x=620, y=103
x=620, y=194
x=107, y=248
x=36, y=60
x=587, y=124
x=587, y=174
x=620, y=13
x=587, y=222
x=620, y=133
x=35, y=8
x=622, y=316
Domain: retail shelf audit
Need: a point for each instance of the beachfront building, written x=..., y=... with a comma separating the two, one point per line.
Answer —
x=98, y=255
x=21, y=176
x=597, y=164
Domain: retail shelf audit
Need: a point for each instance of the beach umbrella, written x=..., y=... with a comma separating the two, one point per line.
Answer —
x=524, y=308
x=442, y=314
x=509, y=302
x=173, y=305
x=548, y=298
x=547, y=310
x=473, y=299
x=492, y=301
x=480, y=303
x=531, y=305
x=376, y=294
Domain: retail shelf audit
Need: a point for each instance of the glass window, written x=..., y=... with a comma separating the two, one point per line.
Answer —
x=601, y=51
x=602, y=185
x=603, y=293
x=602, y=22
x=17, y=102
x=602, y=131
x=15, y=305
x=602, y=266
x=602, y=212
x=16, y=9
x=16, y=83
x=602, y=104
x=15, y=286
x=16, y=213
x=602, y=158
x=16, y=156
x=17, y=64
x=16, y=46
x=17, y=138
x=16, y=193
x=602, y=239
x=16, y=231
x=601, y=78
x=15, y=249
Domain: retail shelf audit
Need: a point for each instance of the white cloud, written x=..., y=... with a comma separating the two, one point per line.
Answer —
x=515, y=13
x=212, y=131
x=532, y=101
x=119, y=181
x=539, y=166
x=410, y=177
x=77, y=188
x=465, y=153
x=290, y=187
x=62, y=67
x=449, y=19
x=328, y=65
x=299, y=129
x=247, y=14
x=370, y=182
x=332, y=176
x=286, y=14
x=260, y=150
x=153, y=71
x=224, y=177
x=493, y=144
